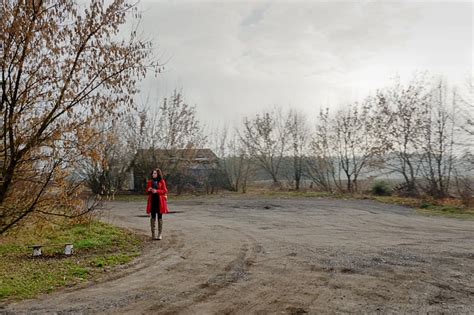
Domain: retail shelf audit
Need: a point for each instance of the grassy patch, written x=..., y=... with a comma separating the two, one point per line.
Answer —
x=401, y=201
x=97, y=248
x=457, y=212
x=451, y=208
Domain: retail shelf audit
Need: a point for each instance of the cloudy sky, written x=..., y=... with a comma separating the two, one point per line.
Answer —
x=233, y=58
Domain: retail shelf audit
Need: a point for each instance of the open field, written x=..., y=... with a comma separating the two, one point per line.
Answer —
x=291, y=255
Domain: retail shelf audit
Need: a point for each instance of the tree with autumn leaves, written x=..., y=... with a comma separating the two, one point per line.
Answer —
x=63, y=69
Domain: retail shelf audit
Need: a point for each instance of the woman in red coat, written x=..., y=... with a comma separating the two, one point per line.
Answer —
x=156, y=206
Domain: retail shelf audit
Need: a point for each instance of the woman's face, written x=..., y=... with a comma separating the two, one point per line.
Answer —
x=155, y=174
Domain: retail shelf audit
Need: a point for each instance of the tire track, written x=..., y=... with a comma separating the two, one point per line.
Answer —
x=234, y=271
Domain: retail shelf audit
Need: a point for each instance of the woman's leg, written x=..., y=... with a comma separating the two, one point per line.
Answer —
x=153, y=222
x=160, y=225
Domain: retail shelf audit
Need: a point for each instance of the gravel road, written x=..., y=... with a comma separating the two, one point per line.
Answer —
x=294, y=256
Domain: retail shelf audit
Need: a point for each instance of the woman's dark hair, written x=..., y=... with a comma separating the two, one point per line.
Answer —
x=158, y=172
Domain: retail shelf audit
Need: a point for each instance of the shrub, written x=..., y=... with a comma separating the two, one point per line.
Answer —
x=465, y=190
x=381, y=188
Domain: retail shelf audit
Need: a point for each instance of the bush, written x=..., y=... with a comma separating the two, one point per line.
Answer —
x=425, y=205
x=465, y=190
x=381, y=188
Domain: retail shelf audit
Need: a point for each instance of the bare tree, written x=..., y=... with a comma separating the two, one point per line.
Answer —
x=403, y=108
x=234, y=161
x=298, y=133
x=172, y=136
x=356, y=142
x=437, y=148
x=62, y=68
x=117, y=142
x=464, y=142
x=321, y=163
x=177, y=125
x=265, y=141
x=465, y=130
x=467, y=107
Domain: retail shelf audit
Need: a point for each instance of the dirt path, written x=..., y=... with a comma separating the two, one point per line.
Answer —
x=288, y=255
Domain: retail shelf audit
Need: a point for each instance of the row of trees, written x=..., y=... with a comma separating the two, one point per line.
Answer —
x=419, y=131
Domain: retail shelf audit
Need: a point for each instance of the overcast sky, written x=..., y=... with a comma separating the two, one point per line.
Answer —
x=233, y=58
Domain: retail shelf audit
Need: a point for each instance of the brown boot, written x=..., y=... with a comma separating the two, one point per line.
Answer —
x=153, y=225
x=160, y=228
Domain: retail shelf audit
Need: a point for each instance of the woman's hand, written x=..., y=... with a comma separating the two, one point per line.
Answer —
x=154, y=191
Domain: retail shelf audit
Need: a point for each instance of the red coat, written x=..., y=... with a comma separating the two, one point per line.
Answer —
x=161, y=191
